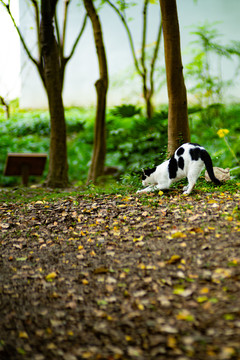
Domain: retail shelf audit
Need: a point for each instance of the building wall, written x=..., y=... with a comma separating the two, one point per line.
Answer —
x=82, y=70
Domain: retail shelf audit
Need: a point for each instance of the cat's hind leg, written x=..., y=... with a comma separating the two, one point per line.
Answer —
x=192, y=179
x=193, y=175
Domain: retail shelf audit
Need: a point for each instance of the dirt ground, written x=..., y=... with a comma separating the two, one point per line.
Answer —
x=154, y=276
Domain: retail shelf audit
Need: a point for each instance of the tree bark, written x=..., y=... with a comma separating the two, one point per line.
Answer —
x=99, y=146
x=58, y=167
x=178, y=127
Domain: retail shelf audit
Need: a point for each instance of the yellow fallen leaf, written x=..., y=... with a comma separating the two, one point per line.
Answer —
x=229, y=218
x=174, y=259
x=178, y=234
x=204, y=290
x=138, y=239
x=160, y=193
x=185, y=315
x=201, y=299
x=171, y=342
x=128, y=338
x=80, y=247
x=85, y=282
x=235, y=261
x=23, y=335
x=51, y=276
x=182, y=292
x=142, y=266
x=227, y=352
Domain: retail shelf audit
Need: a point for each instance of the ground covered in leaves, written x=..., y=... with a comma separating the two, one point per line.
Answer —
x=153, y=276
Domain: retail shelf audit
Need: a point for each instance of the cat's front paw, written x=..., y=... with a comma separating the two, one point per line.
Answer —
x=185, y=189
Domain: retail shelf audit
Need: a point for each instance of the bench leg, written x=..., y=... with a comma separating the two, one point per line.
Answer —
x=25, y=174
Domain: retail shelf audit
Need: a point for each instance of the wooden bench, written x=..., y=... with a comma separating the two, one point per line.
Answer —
x=25, y=164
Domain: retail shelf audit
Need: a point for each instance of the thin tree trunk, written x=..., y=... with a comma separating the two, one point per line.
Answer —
x=141, y=65
x=58, y=167
x=99, y=146
x=178, y=127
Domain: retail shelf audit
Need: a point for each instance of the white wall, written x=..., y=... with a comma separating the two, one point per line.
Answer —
x=10, y=54
x=82, y=70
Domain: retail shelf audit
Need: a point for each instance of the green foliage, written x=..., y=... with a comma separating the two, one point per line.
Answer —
x=201, y=77
x=136, y=142
x=204, y=127
x=125, y=110
x=133, y=142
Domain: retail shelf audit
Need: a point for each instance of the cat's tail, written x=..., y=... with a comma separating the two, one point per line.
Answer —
x=206, y=158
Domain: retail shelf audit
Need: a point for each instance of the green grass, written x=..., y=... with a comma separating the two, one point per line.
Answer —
x=23, y=195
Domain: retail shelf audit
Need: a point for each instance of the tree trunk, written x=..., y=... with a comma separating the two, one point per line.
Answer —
x=58, y=167
x=149, y=105
x=99, y=146
x=178, y=127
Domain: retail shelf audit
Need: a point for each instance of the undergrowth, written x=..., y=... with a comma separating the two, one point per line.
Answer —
x=133, y=142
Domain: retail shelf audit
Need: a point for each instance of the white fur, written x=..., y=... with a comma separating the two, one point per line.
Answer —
x=160, y=180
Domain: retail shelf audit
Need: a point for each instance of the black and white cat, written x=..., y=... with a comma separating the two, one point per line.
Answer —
x=188, y=161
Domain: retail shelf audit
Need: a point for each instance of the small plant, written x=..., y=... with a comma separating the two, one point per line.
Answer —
x=125, y=110
x=222, y=134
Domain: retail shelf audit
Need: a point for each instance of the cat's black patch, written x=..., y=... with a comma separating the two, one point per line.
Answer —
x=195, y=153
x=172, y=167
x=181, y=162
x=180, y=151
x=148, y=172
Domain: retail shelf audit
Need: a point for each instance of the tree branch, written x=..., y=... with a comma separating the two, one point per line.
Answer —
x=57, y=31
x=77, y=39
x=37, y=19
x=144, y=33
x=154, y=58
x=7, y=7
x=66, y=4
x=120, y=14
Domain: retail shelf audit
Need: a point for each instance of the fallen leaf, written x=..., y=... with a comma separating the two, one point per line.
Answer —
x=185, y=315
x=23, y=335
x=174, y=259
x=51, y=276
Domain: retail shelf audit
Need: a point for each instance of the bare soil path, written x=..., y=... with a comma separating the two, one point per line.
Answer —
x=121, y=277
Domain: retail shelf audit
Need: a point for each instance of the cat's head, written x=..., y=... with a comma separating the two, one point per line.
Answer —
x=146, y=176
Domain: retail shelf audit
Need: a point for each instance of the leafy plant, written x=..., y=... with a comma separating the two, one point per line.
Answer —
x=203, y=82
x=125, y=110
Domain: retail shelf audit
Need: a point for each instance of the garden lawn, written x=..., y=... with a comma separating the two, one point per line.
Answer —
x=116, y=276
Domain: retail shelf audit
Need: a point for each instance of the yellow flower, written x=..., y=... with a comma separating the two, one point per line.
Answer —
x=222, y=132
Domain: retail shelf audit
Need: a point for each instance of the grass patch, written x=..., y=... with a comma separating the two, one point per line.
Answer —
x=23, y=195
